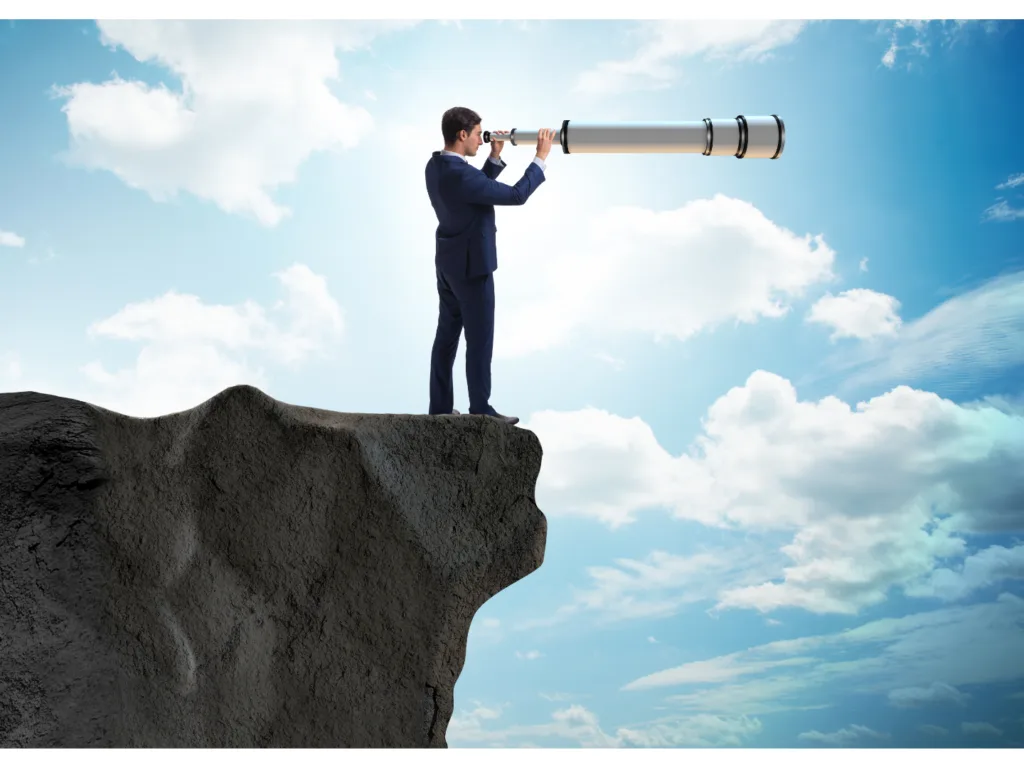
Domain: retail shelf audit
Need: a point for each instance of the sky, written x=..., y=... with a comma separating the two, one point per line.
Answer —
x=781, y=402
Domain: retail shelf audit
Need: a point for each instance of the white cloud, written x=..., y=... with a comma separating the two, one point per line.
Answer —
x=960, y=646
x=660, y=585
x=604, y=467
x=864, y=264
x=11, y=240
x=701, y=730
x=559, y=696
x=529, y=655
x=875, y=496
x=991, y=566
x=717, y=670
x=617, y=363
x=889, y=57
x=980, y=729
x=918, y=696
x=10, y=369
x=933, y=730
x=667, y=274
x=254, y=103
x=843, y=736
x=50, y=256
x=858, y=313
x=193, y=350
x=1013, y=181
x=469, y=725
x=576, y=725
x=918, y=36
x=1002, y=211
x=668, y=40
x=488, y=631
x=966, y=339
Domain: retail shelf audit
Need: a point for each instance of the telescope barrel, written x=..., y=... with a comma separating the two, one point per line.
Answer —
x=742, y=137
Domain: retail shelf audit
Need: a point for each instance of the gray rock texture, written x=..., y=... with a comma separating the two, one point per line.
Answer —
x=249, y=573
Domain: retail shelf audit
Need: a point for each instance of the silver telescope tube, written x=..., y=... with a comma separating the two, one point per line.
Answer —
x=761, y=137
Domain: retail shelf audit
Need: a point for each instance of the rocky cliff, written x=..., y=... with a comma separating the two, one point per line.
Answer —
x=249, y=573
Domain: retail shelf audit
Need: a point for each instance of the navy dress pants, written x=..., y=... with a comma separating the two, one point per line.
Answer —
x=464, y=303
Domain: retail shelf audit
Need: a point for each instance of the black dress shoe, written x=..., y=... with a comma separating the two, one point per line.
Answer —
x=495, y=415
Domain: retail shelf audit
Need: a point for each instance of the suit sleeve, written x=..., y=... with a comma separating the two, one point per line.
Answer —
x=492, y=169
x=477, y=188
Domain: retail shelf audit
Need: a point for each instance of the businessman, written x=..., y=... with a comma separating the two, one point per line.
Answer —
x=465, y=254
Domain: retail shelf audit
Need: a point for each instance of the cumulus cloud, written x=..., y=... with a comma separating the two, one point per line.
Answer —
x=988, y=567
x=858, y=313
x=665, y=41
x=875, y=495
x=605, y=467
x=665, y=274
x=576, y=725
x=192, y=350
x=965, y=340
x=11, y=240
x=960, y=646
x=254, y=102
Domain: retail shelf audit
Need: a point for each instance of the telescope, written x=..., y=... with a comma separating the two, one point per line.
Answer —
x=740, y=137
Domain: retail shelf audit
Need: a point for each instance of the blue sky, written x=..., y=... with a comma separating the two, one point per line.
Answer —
x=780, y=401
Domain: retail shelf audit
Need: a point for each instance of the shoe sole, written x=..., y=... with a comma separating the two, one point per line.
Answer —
x=506, y=419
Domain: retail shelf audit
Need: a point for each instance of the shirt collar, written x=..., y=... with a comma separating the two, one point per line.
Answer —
x=463, y=158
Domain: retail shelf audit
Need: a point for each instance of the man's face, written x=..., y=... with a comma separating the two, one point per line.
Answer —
x=475, y=141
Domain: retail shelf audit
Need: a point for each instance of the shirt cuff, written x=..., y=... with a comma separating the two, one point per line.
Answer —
x=540, y=163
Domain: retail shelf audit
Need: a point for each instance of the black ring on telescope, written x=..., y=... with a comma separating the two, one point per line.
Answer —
x=709, y=137
x=744, y=136
x=487, y=137
x=782, y=136
x=512, y=138
x=563, y=137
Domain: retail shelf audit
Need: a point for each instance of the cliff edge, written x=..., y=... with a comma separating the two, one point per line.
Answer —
x=249, y=573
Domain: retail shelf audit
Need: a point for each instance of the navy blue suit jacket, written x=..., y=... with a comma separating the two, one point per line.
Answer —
x=463, y=197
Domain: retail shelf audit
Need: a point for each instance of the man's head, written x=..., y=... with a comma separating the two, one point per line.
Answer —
x=461, y=130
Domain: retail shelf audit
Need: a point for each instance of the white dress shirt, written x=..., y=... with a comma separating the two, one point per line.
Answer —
x=537, y=160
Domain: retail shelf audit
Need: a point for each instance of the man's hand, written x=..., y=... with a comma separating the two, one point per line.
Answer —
x=544, y=138
x=496, y=146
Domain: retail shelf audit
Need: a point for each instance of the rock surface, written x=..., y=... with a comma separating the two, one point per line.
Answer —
x=249, y=573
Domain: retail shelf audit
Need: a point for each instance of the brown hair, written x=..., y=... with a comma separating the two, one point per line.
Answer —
x=457, y=119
